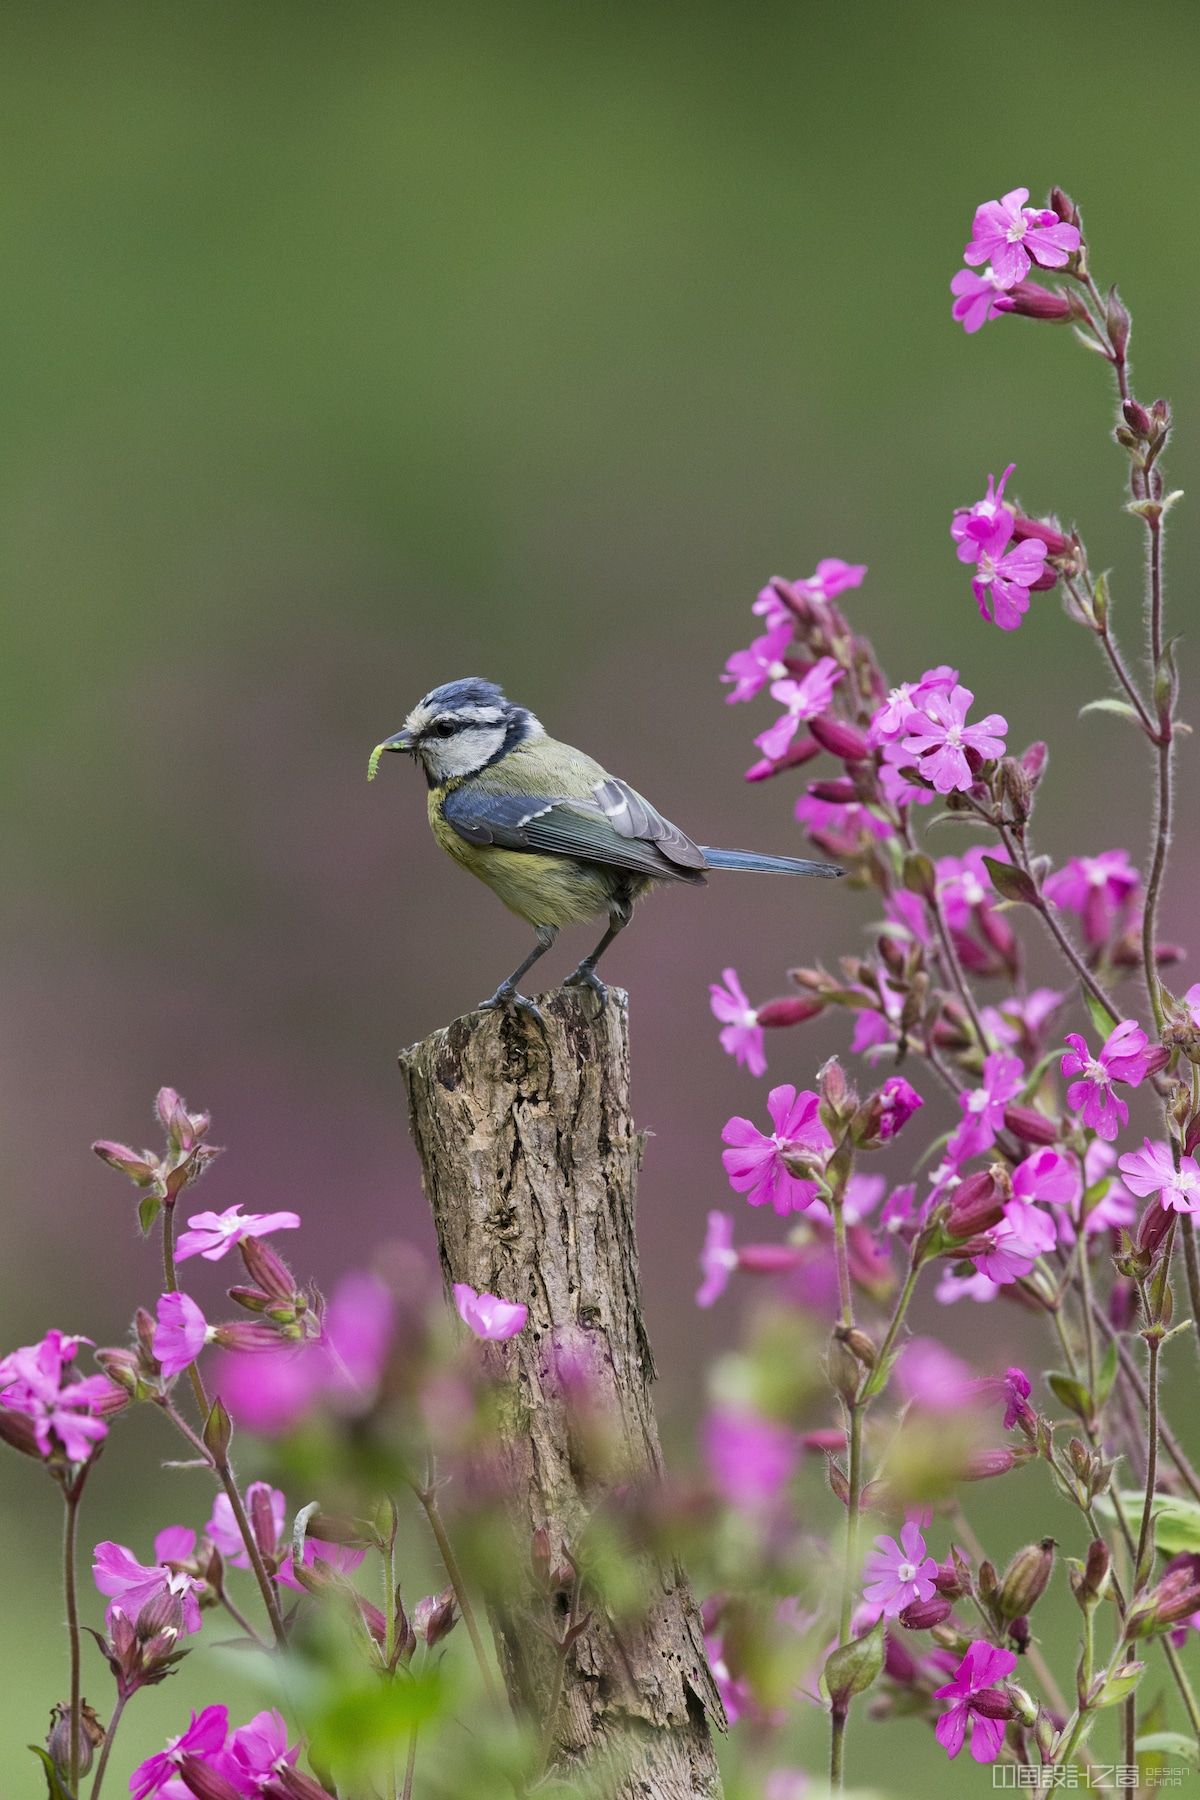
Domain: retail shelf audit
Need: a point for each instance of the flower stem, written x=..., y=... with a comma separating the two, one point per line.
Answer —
x=1145, y=1548
x=427, y=1495
x=266, y=1586
x=388, y=1552
x=71, y=1498
x=106, y=1747
x=560, y=1670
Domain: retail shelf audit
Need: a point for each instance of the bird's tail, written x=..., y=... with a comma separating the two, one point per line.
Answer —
x=766, y=865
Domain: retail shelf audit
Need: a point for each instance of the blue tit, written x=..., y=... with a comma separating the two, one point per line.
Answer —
x=551, y=832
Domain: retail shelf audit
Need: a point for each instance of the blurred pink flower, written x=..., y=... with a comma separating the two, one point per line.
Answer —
x=64, y=1414
x=934, y=1378
x=937, y=738
x=983, y=1107
x=222, y=1528
x=204, y=1737
x=1151, y=1170
x=1050, y=1176
x=749, y=1457
x=743, y=1036
x=898, y=1573
x=1017, y=1390
x=181, y=1333
x=212, y=1233
x=975, y=1703
x=131, y=1584
x=755, y=1163
x=257, y=1751
x=1096, y=888
x=972, y=526
x=718, y=1259
x=977, y=298
x=487, y=1315
x=1022, y=1235
x=342, y=1559
x=1012, y=237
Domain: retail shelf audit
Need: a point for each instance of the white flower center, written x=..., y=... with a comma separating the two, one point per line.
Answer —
x=954, y=736
x=977, y=1101
x=777, y=670
x=906, y=1572
x=749, y=1017
x=1017, y=229
x=986, y=567
x=1095, y=1071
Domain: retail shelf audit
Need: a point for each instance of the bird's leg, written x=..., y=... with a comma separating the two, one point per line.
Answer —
x=506, y=997
x=585, y=975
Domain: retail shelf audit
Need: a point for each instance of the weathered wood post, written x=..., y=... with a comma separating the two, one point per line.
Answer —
x=530, y=1162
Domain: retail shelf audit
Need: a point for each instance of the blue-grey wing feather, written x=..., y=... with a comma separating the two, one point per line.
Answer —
x=562, y=826
x=632, y=816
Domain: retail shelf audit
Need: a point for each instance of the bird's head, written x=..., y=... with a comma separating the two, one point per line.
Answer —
x=460, y=728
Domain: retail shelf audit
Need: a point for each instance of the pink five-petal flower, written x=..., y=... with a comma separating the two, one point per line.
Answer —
x=65, y=1413
x=130, y=1585
x=1126, y=1056
x=750, y=670
x=181, y=1332
x=977, y=298
x=718, y=1259
x=755, y=1162
x=899, y=1573
x=487, y=1315
x=1003, y=578
x=1049, y=1176
x=1011, y=236
x=259, y=1750
x=938, y=738
x=981, y=1667
x=972, y=526
x=803, y=699
x=983, y=1108
x=1022, y=1235
x=262, y=1502
x=832, y=577
x=204, y=1737
x=1151, y=1170
x=1095, y=887
x=212, y=1233
x=743, y=1036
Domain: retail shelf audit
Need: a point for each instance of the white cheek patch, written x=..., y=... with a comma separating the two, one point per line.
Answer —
x=465, y=752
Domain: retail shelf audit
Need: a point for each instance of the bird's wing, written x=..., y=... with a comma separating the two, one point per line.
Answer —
x=565, y=826
x=634, y=817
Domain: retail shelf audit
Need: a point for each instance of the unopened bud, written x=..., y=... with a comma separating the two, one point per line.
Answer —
x=267, y=1269
x=1034, y=761
x=289, y=1783
x=434, y=1617
x=1090, y=1580
x=16, y=1430
x=975, y=1206
x=201, y=1779
x=837, y=1095
x=923, y=1615
x=768, y=1259
x=140, y=1166
x=243, y=1334
x=839, y=738
x=1062, y=204
x=986, y=1463
x=1025, y=1579
x=845, y=1375
x=788, y=1011
x=1174, y=1598
x=852, y=1669
x=1031, y=301
x=992, y=1703
x=1118, y=323
x=1030, y=1125
x=801, y=751
x=1153, y=1227
x=89, y=1735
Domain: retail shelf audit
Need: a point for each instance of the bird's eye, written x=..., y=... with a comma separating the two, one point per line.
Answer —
x=445, y=727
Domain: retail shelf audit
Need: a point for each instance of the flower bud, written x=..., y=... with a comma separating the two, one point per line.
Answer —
x=206, y=1783
x=1175, y=1597
x=1034, y=761
x=788, y=1011
x=975, y=1206
x=289, y=1783
x=993, y=1703
x=1031, y=301
x=1025, y=1579
x=1090, y=1580
x=434, y=1617
x=801, y=751
x=838, y=1097
x=1062, y=204
x=839, y=738
x=1153, y=1227
x=845, y=1375
x=140, y=1166
x=89, y=1735
x=1058, y=544
x=241, y=1334
x=767, y=1259
x=842, y=791
x=923, y=1615
x=267, y=1269
x=1031, y=1126
x=986, y=1463
x=852, y=1669
x=16, y=1430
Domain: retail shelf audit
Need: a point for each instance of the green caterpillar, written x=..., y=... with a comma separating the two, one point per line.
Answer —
x=376, y=753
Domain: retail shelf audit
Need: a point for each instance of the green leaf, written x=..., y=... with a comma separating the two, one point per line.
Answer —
x=1010, y=883
x=1102, y=1020
x=1107, y=1373
x=852, y=1669
x=1110, y=704
x=1169, y=1743
x=56, y=1787
x=218, y=1432
x=1176, y=1519
x=1072, y=1393
x=148, y=1210
x=1111, y=1690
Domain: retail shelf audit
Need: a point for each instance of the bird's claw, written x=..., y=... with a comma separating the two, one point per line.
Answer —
x=585, y=976
x=507, y=1000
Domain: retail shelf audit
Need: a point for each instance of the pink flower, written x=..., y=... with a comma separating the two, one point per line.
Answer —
x=718, y=1259
x=222, y=1528
x=181, y=1333
x=204, y=1737
x=899, y=1573
x=964, y=885
x=259, y=1750
x=1017, y=1390
x=889, y=721
x=1049, y=1176
x=832, y=577
x=1151, y=1170
x=750, y=670
x=488, y=1316
x=1012, y=236
x=1126, y=1057
x=975, y=1703
x=1095, y=887
x=1022, y=1235
x=899, y=1102
x=750, y=1458
x=804, y=700
x=983, y=1108
x=939, y=739
x=977, y=298
x=743, y=1036
x=755, y=1163
x=212, y=1234
x=342, y=1559
x=130, y=1584
x=934, y=1378
x=972, y=526
x=1003, y=577
x=65, y=1415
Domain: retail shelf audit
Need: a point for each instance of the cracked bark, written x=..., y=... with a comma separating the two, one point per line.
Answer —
x=530, y=1161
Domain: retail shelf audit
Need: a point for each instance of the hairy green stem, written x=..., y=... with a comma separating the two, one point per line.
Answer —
x=106, y=1747
x=427, y=1495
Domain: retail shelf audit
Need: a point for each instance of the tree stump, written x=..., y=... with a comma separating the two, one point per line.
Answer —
x=530, y=1162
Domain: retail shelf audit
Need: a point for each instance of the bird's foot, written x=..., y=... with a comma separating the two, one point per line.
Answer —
x=507, y=1000
x=585, y=976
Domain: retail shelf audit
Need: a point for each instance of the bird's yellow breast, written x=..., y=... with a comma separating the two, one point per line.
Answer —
x=543, y=890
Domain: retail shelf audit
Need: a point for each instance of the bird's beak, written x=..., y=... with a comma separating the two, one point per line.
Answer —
x=400, y=740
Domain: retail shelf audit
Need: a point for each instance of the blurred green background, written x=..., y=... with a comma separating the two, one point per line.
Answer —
x=347, y=349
